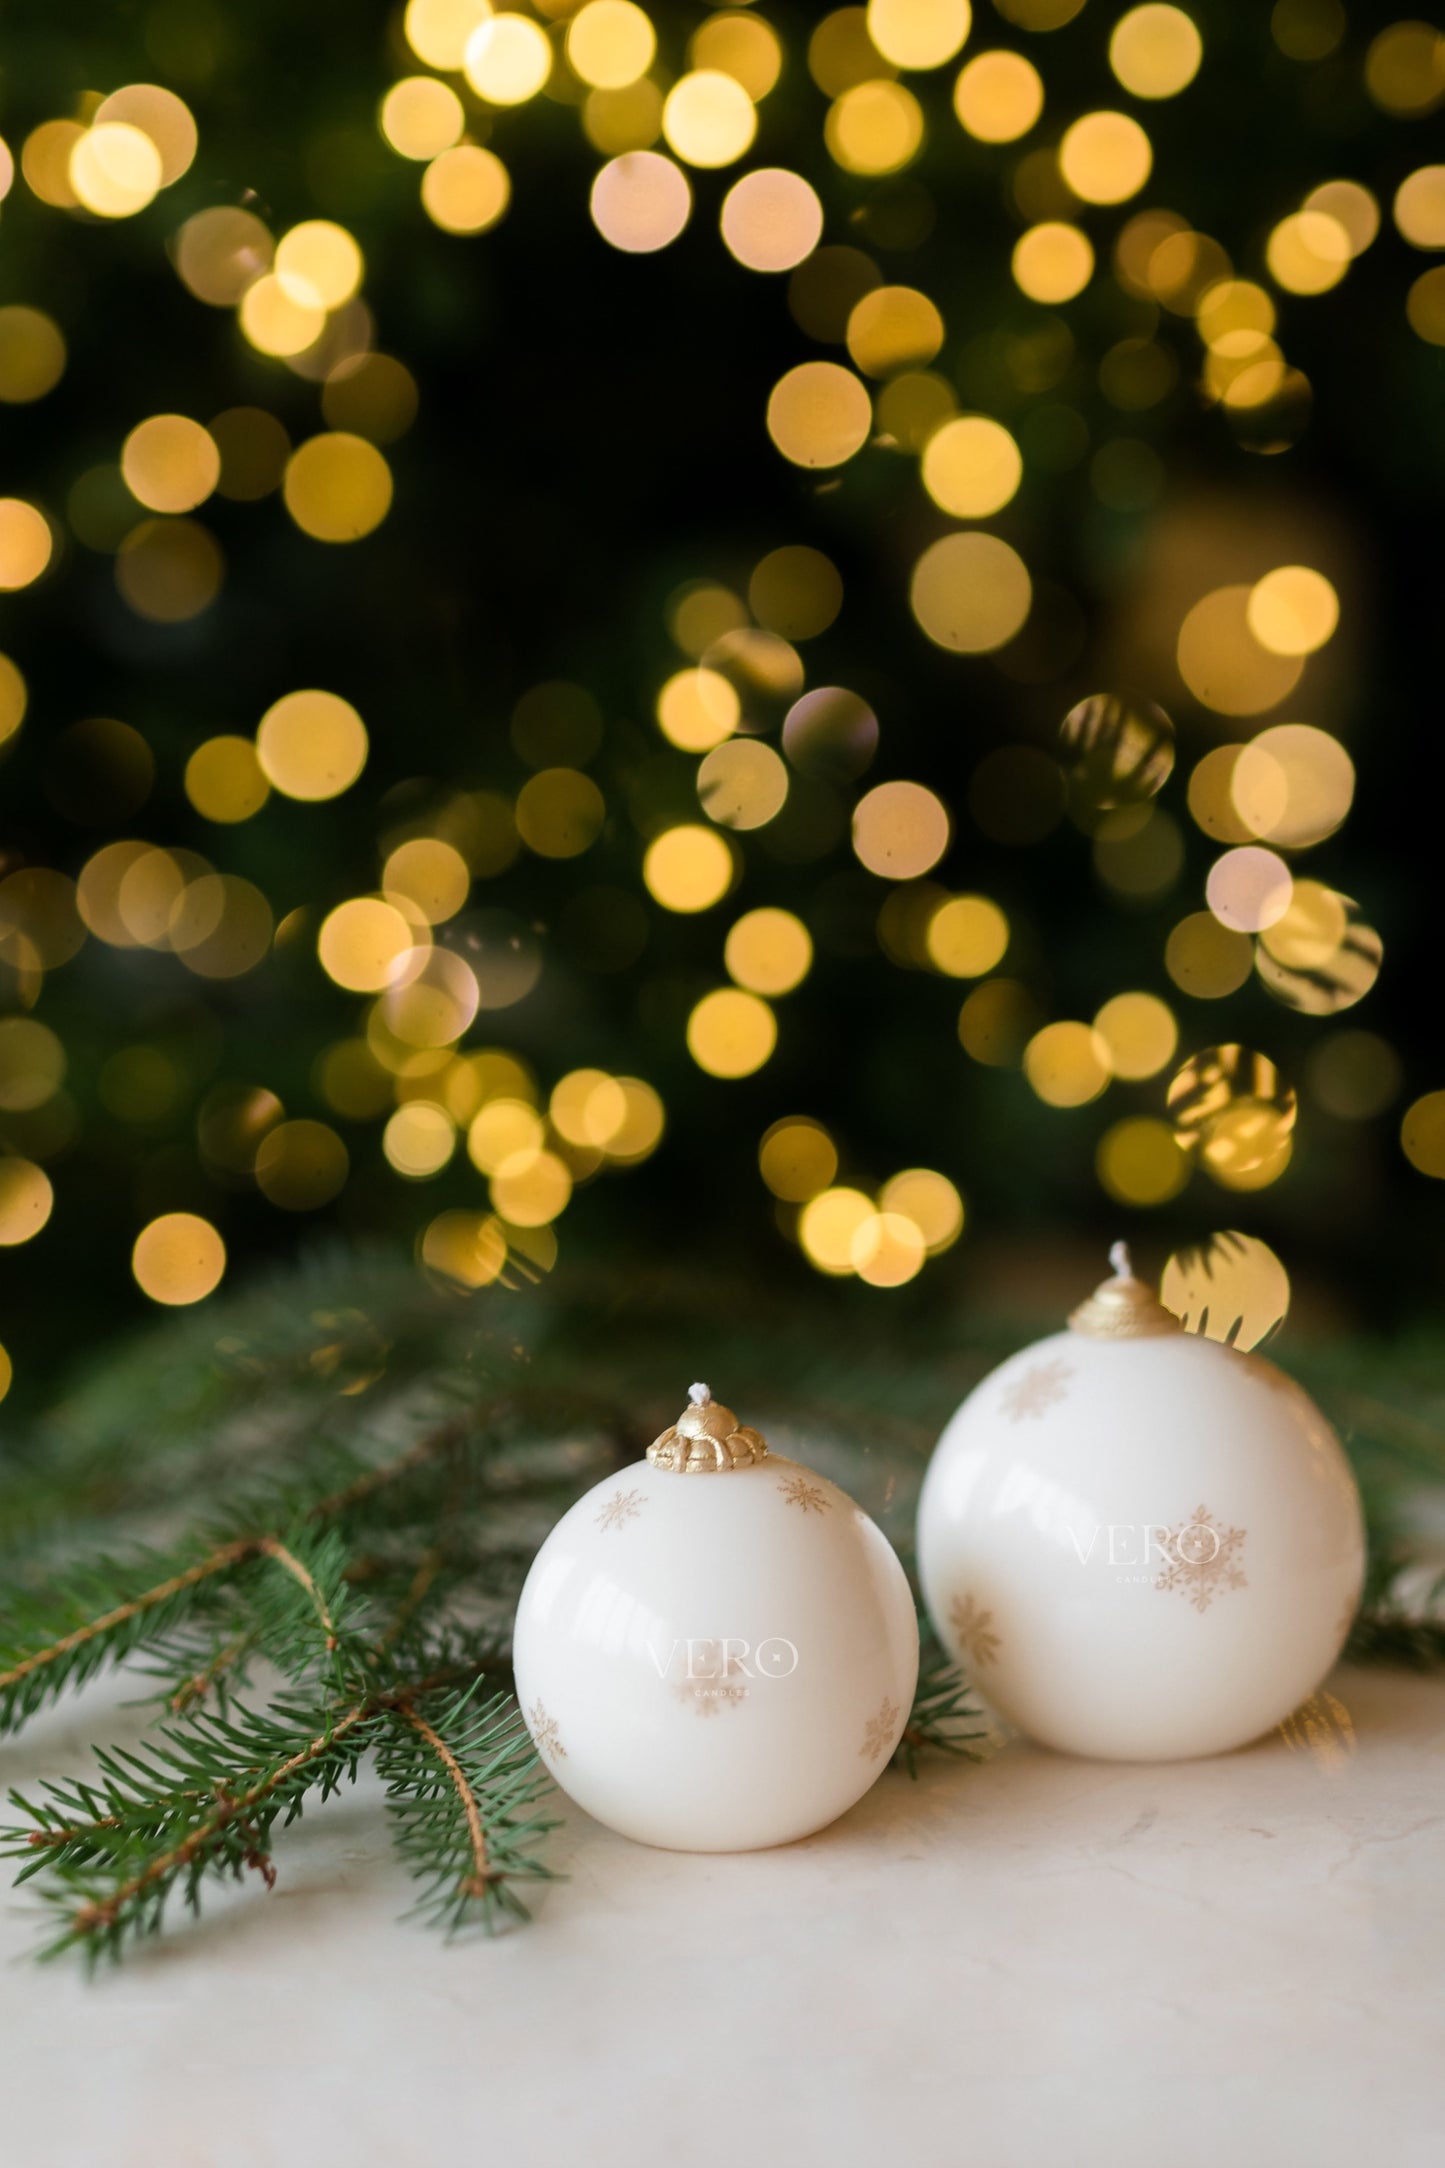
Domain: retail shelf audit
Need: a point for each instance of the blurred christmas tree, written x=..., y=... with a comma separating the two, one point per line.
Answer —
x=545, y=559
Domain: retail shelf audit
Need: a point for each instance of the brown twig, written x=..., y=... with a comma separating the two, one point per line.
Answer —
x=219, y=1561
x=477, y=1883
x=199, y=1684
x=274, y=1548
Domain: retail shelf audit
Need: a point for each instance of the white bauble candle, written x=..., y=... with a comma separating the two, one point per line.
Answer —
x=715, y=1649
x=1141, y=1544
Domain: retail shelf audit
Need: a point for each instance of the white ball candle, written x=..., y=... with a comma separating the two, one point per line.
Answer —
x=715, y=1649
x=1141, y=1544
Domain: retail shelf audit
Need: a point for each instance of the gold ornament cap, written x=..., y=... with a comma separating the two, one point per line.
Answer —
x=1123, y=1308
x=706, y=1439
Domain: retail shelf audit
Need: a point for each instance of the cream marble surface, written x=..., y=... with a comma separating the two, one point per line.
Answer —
x=1037, y=1961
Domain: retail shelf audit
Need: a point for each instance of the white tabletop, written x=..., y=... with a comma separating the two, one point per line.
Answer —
x=1036, y=1961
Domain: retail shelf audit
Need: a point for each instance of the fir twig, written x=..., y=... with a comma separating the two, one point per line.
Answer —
x=944, y=1719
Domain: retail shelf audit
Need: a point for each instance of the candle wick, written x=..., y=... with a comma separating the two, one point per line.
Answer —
x=1120, y=1260
x=699, y=1395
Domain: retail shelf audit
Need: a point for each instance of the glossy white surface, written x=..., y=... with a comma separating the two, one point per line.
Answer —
x=716, y=1662
x=1042, y=1961
x=1142, y=1548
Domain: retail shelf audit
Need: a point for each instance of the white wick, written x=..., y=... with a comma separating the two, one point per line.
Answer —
x=1120, y=1260
x=699, y=1395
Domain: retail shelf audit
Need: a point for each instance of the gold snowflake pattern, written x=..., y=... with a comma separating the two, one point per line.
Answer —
x=710, y=1680
x=879, y=1730
x=811, y=1497
x=621, y=1507
x=1038, y=1390
x=1203, y=1558
x=545, y=1733
x=976, y=1637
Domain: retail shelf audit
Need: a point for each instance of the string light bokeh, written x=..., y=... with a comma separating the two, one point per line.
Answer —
x=610, y=605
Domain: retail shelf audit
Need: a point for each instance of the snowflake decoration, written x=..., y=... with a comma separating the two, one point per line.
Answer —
x=976, y=1637
x=879, y=1730
x=621, y=1507
x=545, y=1732
x=1202, y=1558
x=710, y=1679
x=798, y=1491
x=1037, y=1390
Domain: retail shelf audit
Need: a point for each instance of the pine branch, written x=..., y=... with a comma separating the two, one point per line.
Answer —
x=944, y=1719
x=460, y=1780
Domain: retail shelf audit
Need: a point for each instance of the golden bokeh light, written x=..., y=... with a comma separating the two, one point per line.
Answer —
x=466, y=189
x=32, y=354
x=162, y=116
x=1140, y=1033
x=311, y=745
x=1120, y=751
x=364, y=943
x=419, y=1140
x=560, y=813
x=771, y=218
x=301, y=1165
x=742, y=784
x=819, y=414
x=966, y=937
x=1155, y=51
x=438, y=30
x=841, y=53
x=768, y=951
x=170, y=463
x=115, y=169
x=45, y=162
x=1351, y=206
x=1105, y=157
x=874, y=128
x=7, y=1372
x=708, y=118
x=1422, y=1135
x=1231, y=1107
x=795, y=591
x=1207, y=959
x=641, y=201
x=318, y=264
x=1308, y=252
x=827, y=1225
x=530, y=1188
x=1222, y=662
x=178, y=1259
x=1231, y=1288
x=742, y=46
x=610, y=43
x=1419, y=207
x=919, y=33
x=892, y=328
x=623, y=120
x=1292, y=610
x=1139, y=1162
x=253, y=448
x=1067, y=1064
x=431, y=875
x=502, y=1129
x=1405, y=69
x=972, y=467
x=797, y=1158
x=507, y=59
x=1425, y=306
x=32, y=1064
x=469, y=1248
x=970, y=592
x=225, y=781
x=275, y=322
x=900, y=830
x=26, y=1200
x=830, y=734
x=26, y=543
x=1316, y=783
x=337, y=487
x=731, y=1033
x=930, y=1201
x=12, y=699
x=421, y=117
x=1053, y=261
x=887, y=1250
x=998, y=97
x=169, y=570
x=220, y=253
x=688, y=868
x=997, y=1021
x=697, y=709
